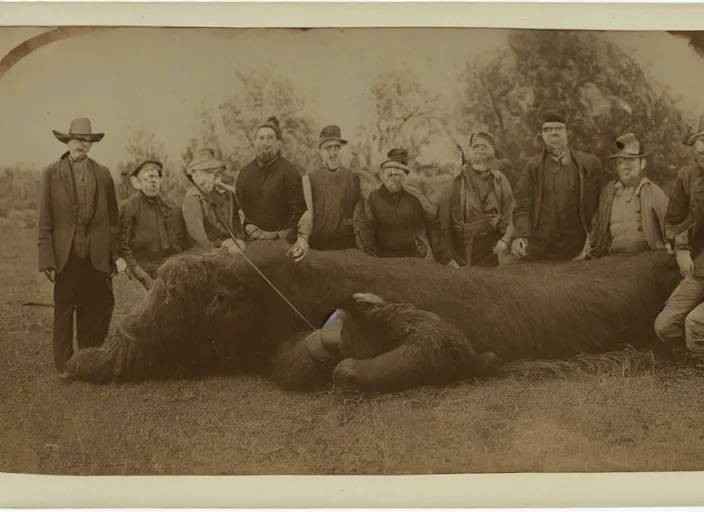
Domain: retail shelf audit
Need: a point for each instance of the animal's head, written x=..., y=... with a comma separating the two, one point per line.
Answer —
x=200, y=297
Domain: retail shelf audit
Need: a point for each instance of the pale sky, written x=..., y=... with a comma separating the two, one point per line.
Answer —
x=155, y=79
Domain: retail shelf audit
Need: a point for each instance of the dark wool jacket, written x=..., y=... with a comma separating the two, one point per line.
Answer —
x=686, y=209
x=528, y=191
x=57, y=218
x=271, y=197
x=140, y=233
x=388, y=225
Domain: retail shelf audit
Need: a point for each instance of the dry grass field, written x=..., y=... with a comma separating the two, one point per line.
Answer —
x=626, y=413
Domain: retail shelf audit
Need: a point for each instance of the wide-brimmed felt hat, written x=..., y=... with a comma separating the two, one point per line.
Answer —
x=205, y=160
x=80, y=129
x=397, y=158
x=143, y=163
x=331, y=132
x=699, y=132
x=628, y=146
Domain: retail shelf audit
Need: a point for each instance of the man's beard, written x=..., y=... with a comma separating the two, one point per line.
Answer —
x=265, y=154
x=393, y=185
x=556, y=148
x=479, y=163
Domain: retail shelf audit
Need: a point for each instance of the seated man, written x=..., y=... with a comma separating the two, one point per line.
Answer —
x=631, y=213
x=151, y=230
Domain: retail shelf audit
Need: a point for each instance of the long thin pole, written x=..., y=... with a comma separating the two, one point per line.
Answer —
x=232, y=235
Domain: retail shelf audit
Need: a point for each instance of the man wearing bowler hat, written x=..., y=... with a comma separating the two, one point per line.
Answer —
x=332, y=193
x=78, y=241
x=391, y=222
x=631, y=213
x=151, y=229
x=557, y=195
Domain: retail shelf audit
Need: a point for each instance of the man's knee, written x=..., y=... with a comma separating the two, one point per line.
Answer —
x=694, y=329
x=667, y=325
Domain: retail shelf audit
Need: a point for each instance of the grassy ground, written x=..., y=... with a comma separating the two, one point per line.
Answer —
x=625, y=414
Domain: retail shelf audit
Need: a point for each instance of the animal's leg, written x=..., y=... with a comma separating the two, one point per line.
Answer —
x=405, y=367
x=304, y=362
x=396, y=370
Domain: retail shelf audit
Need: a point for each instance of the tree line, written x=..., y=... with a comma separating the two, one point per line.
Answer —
x=603, y=91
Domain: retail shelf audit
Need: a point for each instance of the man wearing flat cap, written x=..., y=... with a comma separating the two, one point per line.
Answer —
x=680, y=325
x=270, y=191
x=475, y=209
x=631, y=213
x=151, y=229
x=332, y=193
x=210, y=210
x=557, y=195
x=78, y=241
x=391, y=222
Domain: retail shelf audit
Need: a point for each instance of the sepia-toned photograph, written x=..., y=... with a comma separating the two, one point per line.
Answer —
x=358, y=251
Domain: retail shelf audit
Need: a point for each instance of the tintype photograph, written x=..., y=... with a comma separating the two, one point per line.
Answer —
x=359, y=251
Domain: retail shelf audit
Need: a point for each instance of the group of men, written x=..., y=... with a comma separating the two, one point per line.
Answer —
x=559, y=209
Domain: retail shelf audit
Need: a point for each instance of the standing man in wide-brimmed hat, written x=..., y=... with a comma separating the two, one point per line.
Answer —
x=332, y=193
x=391, y=222
x=631, y=213
x=151, y=229
x=557, y=195
x=270, y=192
x=210, y=209
x=79, y=244
x=476, y=208
x=680, y=325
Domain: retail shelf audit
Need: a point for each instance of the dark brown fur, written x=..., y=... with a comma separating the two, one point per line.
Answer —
x=215, y=313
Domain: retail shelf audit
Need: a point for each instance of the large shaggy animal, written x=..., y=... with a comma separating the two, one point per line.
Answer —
x=217, y=314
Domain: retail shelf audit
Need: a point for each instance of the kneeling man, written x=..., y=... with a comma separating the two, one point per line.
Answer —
x=680, y=324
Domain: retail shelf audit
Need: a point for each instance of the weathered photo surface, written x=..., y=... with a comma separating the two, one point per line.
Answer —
x=350, y=251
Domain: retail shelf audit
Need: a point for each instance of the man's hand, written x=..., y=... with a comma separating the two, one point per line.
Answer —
x=146, y=280
x=368, y=298
x=256, y=233
x=299, y=249
x=684, y=261
x=453, y=264
x=121, y=265
x=234, y=246
x=518, y=247
x=670, y=250
x=501, y=247
x=50, y=274
x=253, y=232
